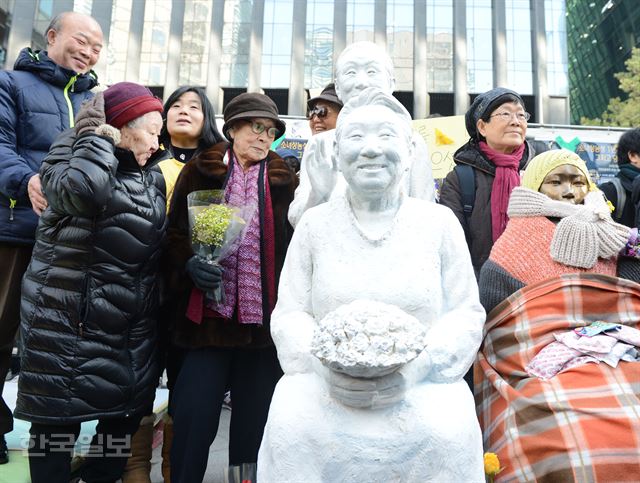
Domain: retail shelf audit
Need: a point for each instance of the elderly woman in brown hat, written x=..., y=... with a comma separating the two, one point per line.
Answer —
x=229, y=348
x=324, y=109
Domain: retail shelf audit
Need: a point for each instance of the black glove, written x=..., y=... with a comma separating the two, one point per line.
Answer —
x=91, y=115
x=206, y=276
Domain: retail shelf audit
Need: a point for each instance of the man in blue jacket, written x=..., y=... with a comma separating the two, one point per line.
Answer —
x=38, y=100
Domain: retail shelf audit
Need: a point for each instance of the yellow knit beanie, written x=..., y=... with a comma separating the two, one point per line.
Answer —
x=544, y=163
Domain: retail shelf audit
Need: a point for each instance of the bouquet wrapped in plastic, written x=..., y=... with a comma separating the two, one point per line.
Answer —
x=368, y=339
x=216, y=229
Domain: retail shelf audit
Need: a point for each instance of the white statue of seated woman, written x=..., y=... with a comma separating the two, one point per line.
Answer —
x=417, y=423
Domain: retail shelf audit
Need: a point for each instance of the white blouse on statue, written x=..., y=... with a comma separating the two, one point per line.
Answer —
x=421, y=265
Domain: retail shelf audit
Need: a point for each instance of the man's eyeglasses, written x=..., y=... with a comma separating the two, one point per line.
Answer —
x=506, y=116
x=259, y=128
x=320, y=111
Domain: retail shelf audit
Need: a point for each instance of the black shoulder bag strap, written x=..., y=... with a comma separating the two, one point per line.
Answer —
x=467, y=182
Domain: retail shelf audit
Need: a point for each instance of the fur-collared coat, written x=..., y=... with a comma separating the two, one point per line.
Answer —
x=208, y=171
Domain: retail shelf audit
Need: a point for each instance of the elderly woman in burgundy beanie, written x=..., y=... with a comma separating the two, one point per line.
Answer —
x=90, y=292
x=229, y=346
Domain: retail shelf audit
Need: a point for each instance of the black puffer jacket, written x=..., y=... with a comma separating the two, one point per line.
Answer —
x=90, y=293
x=480, y=219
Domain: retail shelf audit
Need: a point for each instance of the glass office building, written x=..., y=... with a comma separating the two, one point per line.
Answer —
x=445, y=51
x=601, y=34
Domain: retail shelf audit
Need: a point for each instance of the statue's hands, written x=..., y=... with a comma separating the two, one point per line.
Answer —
x=417, y=370
x=374, y=393
x=322, y=170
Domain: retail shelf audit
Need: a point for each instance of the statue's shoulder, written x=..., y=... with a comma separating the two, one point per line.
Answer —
x=323, y=215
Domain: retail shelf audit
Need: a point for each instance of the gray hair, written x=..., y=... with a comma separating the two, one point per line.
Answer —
x=373, y=96
x=138, y=121
x=56, y=23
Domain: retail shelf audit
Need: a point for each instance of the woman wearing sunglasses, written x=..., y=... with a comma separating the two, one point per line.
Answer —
x=229, y=348
x=323, y=110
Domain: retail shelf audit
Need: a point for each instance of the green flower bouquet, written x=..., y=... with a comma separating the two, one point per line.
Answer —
x=216, y=229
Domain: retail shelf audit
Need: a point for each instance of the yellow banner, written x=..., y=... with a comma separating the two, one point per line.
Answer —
x=443, y=135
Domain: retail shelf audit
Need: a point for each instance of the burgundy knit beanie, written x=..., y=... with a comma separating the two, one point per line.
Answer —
x=126, y=101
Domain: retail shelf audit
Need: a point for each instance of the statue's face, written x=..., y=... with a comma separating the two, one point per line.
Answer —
x=565, y=183
x=373, y=150
x=358, y=70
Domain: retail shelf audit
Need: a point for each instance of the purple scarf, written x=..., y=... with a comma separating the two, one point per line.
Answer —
x=242, y=279
x=507, y=177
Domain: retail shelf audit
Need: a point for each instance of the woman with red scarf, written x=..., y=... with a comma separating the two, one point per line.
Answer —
x=229, y=347
x=496, y=153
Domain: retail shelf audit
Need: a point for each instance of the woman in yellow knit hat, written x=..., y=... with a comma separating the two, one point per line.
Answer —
x=559, y=222
x=546, y=387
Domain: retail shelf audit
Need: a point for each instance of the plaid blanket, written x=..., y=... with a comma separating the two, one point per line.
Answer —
x=583, y=424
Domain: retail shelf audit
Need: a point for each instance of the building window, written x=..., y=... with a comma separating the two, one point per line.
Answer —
x=519, y=65
x=155, y=42
x=400, y=41
x=116, y=51
x=83, y=6
x=479, y=46
x=440, y=45
x=236, y=36
x=276, y=43
x=318, y=52
x=6, y=7
x=360, y=20
x=44, y=13
x=557, y=59
x=195, y=43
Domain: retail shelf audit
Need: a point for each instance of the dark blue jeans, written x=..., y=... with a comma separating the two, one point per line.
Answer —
x=251, y=376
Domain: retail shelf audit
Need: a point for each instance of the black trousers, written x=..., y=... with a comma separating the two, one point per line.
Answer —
x=251, y=376
x=51, y=449
x=14, y=260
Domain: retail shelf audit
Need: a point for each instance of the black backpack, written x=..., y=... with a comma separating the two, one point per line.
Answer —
x=467, y=182
x=621, y=195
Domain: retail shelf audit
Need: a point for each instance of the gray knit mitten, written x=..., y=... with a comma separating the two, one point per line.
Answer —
x=91, y=115
x=588, y=234
x=575, y=243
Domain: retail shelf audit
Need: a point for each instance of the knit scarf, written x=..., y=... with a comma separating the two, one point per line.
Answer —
x=585, y=232
x=507, y=177
x=249, y=270
x=628, y=172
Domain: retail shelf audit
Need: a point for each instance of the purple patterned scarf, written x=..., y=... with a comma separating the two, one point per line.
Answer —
x=242, y=279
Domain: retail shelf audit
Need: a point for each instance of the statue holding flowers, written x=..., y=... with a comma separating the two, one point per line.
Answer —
x=376, y=323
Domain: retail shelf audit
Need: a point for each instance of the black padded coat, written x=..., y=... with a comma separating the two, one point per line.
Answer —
x=90, y=294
